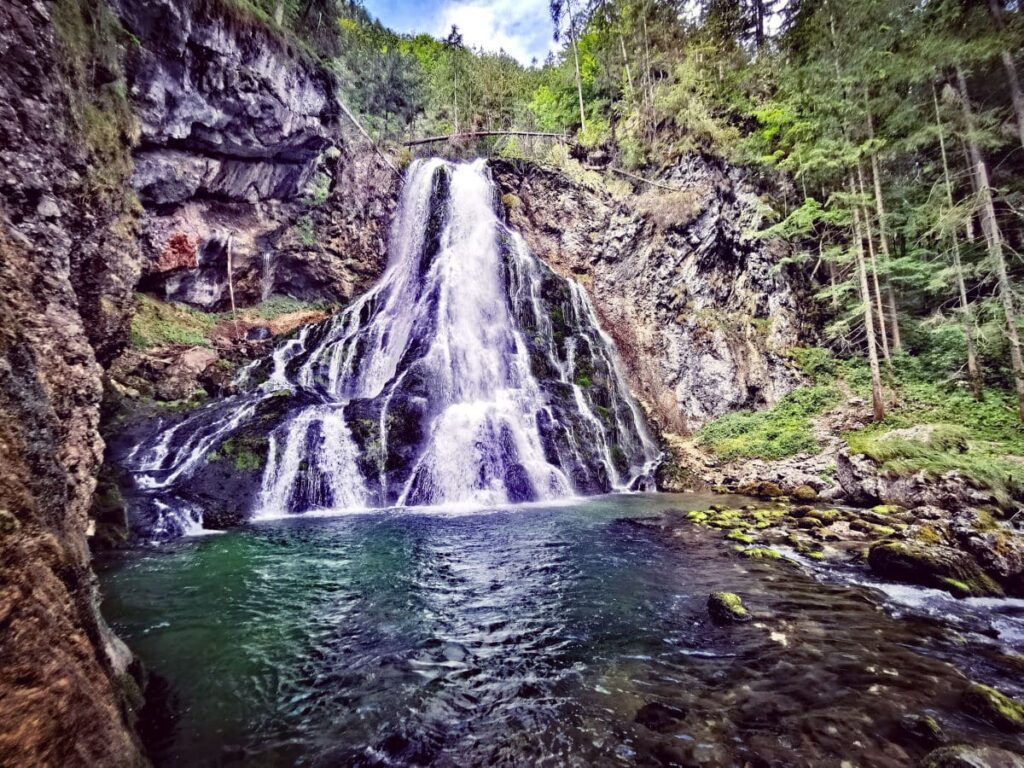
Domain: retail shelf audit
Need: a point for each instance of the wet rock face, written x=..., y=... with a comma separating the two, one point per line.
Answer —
x=65, y=280
x=239, y=163
x=224, y=109
x=700, y=311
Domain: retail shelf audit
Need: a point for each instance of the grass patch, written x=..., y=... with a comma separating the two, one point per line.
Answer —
x=948, y=448
x=157, y=323
x=276, y=306
x=778, y=433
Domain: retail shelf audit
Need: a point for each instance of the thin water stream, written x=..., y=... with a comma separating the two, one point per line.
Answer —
x=542, y=635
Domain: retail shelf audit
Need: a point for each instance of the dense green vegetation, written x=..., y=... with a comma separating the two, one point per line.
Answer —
x=930, y=426
x=159, y=323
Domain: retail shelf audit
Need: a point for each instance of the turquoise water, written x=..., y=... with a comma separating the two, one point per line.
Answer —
x=546, y=635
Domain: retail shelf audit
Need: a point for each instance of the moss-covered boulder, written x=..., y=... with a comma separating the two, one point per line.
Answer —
x=994, y=707
x=804, y=493
x=932, y=565
x=966, y=756
x=726, y=607
x=763, y=489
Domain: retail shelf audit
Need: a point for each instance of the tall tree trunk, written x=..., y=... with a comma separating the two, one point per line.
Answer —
x=576, y=61
x=1011, y=71
x=874, y=274
x=625, y=63
x=994, y=237
x=877, y=397
x=973, y=370
x=883, y=239
x=759, y=24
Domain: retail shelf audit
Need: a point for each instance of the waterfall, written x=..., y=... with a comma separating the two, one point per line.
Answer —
x=470, y=374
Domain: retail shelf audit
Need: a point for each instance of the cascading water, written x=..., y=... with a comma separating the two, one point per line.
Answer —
x=470, y=374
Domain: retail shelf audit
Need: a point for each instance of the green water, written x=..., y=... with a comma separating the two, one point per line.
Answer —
x=558, y=635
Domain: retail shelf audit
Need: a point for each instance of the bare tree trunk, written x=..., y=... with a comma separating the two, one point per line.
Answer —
x=1011, y=71
x=231, y=283
x=883, y=239
x=994, y=237
x=973, y=371
x=576, y=61
x=874, y=275
x=877, y=397
x=625, y=62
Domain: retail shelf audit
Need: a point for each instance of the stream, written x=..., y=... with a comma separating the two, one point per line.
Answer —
x=560, y=633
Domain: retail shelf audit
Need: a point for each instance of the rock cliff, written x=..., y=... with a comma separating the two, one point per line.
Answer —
x=240, y=154
x=67, y=268
x=701, y=310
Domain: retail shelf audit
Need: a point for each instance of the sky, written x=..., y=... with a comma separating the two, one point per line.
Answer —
x=522, y=27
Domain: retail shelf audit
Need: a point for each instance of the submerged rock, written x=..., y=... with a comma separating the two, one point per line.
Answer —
x=726, y=607
x=659, y=717
x=965, y=756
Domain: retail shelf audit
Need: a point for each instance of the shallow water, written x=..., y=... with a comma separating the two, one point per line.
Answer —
x=549, y=635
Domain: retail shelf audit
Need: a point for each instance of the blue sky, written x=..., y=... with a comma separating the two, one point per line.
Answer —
x=521, y=27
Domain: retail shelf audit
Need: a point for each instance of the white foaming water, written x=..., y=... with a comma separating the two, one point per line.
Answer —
x=465, y=374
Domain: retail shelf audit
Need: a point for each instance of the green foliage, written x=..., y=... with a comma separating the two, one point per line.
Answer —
x=247, y=452
x=276, y=306
x=778, y=433
x=305, y=230
x=816, y=362
x=158, y=323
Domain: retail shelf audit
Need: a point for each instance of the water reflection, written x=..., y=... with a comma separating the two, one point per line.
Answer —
x=548, y=636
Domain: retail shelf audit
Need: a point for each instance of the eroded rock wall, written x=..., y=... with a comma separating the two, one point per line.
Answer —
x=701, y=310
x=241, y=157
x=67, y=268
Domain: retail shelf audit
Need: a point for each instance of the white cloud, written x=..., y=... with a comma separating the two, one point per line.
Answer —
x=521, y=27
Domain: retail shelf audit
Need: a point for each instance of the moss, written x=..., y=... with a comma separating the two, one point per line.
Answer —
x=887, y=509
x=305, y=231
x=737, y=534
x=511, y=201
x=762, y=553
x=727, y=607
x=248, y=453
x=995, y=707
x=804, y=493
x=92, y=40
x=156, y=323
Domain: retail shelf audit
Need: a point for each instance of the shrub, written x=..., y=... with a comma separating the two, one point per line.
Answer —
x=778, y=433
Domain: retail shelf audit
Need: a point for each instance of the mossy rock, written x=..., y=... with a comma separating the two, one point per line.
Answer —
x=887, y=509
x=727, y=607
x=994, y=707
x=737, y=534
x=764, y=553
x=920, y=731
x=764, y=489
x=826, y=516
x=966, y=756
x=932, y=566
x=804, y=493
